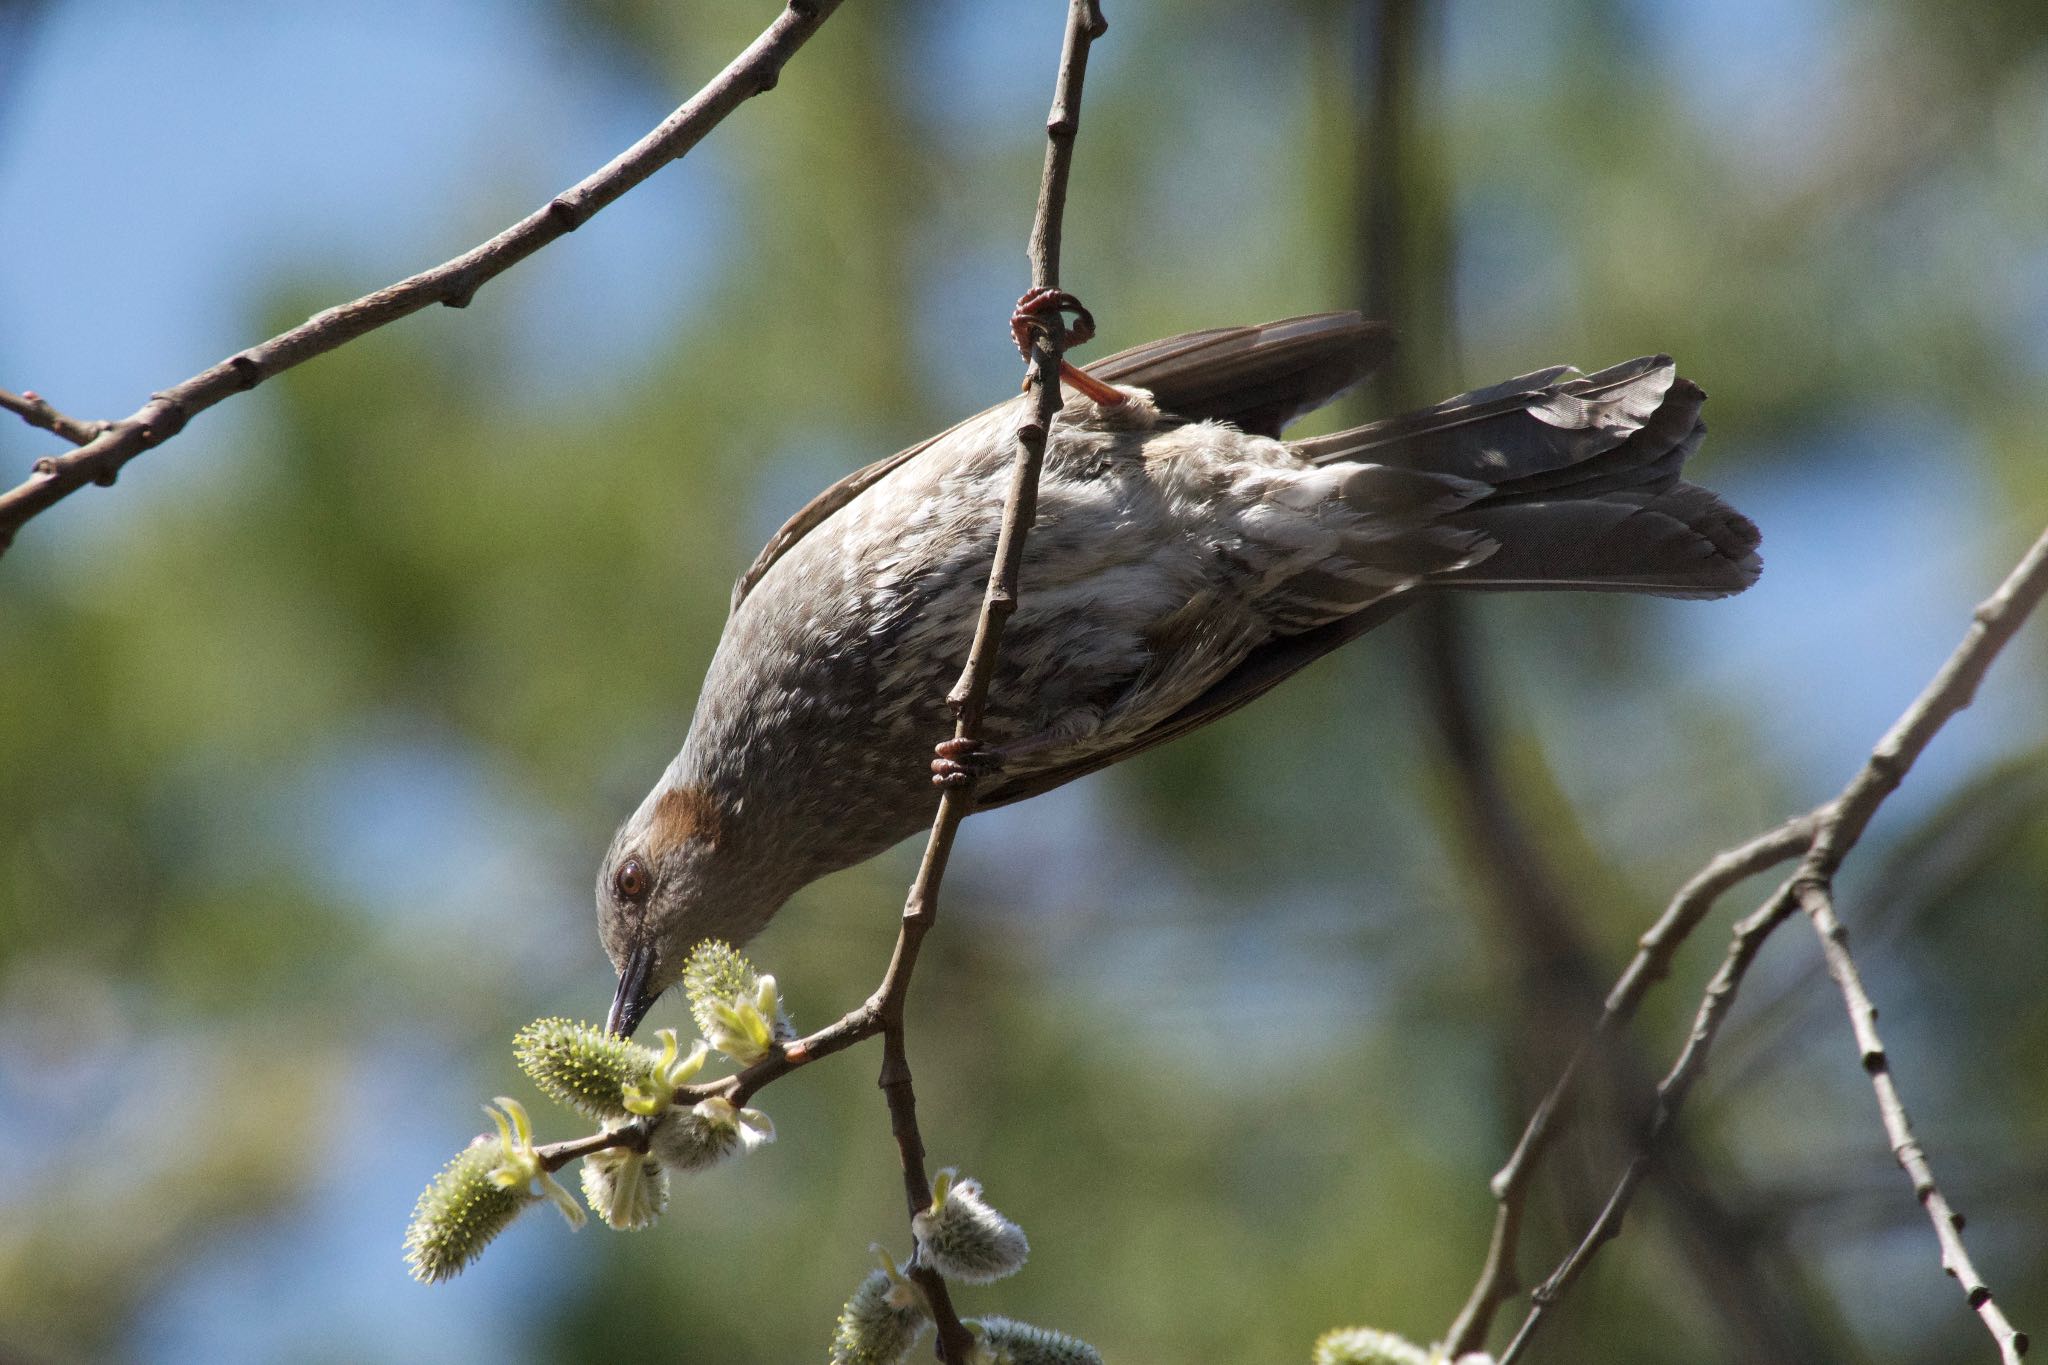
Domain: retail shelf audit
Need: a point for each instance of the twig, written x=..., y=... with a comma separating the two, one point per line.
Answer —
x=1671, y=1091
x=1557, y=980
x=882, y=1012
x=969, y=696
x=32, y=408
x=955, y=1344
x=1996, y=620
x=453, y=283
x=1835, y=829
x=555, y=1155
x=1513, y=1183
x=1918, y=874
x=1652, y=963
x=1819, y=905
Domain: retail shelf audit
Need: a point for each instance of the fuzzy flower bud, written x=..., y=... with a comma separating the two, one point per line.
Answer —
x=459, y=1214
x=999, y=1341
x=584, y=1067
x=962, y=1238
x=478, y=1194
x=737, y=1009
x=691, y=1139
x=1364, y=1346
x=627, y=1189
x=882, y=1321
x=715, y=971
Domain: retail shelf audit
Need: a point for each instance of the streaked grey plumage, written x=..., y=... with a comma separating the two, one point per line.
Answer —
x=1184, y=560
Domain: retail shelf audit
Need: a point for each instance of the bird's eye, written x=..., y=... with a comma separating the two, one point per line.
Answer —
x=631, y=881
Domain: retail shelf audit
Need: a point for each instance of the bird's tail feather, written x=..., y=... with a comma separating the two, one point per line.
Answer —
x=1584, y=472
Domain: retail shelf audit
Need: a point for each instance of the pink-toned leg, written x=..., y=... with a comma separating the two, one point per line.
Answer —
x=1093, y=389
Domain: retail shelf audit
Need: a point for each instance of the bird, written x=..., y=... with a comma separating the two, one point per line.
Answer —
x=1185, y=558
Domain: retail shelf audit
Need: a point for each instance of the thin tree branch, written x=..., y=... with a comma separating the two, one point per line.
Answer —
x=35, y=410
x=1919, y=874
x=1652, y=963
x=1671, y=1091
x=555, y=1155
x=955, y=1344
x=882, y=1012
x=1992, y=625
x=1834, y=829
x=1819, y=905
x=453, y=283
x=1555, y=976
x=969, y=696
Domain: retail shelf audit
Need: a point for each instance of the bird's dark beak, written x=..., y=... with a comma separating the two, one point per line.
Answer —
x=633, y=1001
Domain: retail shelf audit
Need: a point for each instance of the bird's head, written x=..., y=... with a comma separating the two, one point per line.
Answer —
x=670, y=881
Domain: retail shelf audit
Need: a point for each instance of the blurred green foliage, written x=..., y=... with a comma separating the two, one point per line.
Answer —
x=313, y=741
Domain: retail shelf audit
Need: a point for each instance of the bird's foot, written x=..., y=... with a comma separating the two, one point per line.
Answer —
x=957, y=762
x=1041, y=310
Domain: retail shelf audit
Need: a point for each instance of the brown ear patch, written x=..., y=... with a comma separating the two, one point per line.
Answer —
x=682, y=813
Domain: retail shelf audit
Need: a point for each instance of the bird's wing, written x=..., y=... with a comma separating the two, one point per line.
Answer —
x=1258, y=378
x=813, y=513
x=1267, y=666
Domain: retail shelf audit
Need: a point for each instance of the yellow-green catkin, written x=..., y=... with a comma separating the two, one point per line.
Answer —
x=715, y=973
x=737, y=1009
x=459, y=1214
x=478, y=1194
x=584, y=1067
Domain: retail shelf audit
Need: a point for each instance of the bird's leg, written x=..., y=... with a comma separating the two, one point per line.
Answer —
x=957, y=761
x=1042, y=309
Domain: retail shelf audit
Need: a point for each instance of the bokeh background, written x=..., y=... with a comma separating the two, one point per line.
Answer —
x=312, y=731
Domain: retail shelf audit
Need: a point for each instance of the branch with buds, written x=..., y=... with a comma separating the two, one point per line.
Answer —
x=654, y=1123
x=1821, y=838
x=657, y=1121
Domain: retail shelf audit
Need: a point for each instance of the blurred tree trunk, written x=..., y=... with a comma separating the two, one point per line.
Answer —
x=1404, y=221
